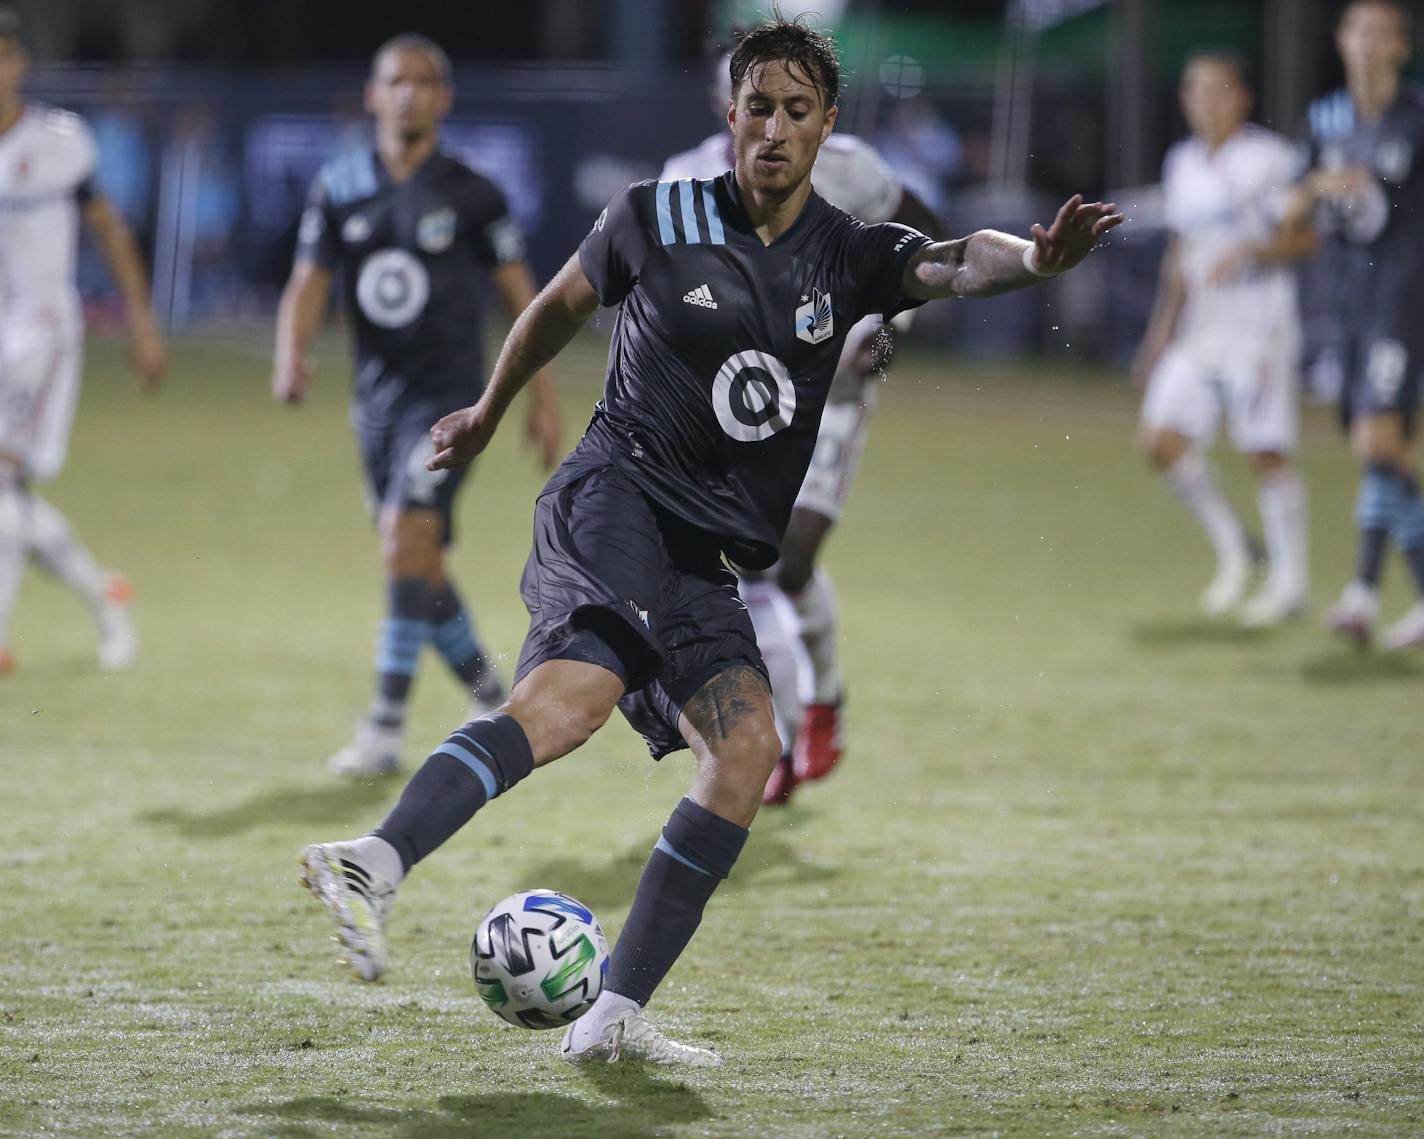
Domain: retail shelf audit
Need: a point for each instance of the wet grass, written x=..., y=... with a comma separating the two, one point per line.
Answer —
x=1092, y=865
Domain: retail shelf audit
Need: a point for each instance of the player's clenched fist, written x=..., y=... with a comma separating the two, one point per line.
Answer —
x=461, y=436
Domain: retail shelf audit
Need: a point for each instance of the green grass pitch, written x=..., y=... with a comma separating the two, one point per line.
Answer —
x=1092, y=865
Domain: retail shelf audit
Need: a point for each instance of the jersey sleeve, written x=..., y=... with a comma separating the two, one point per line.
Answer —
x=612, y=254
x=318, y=240
x=82, y=153
x=877, y=259
x=499, y=240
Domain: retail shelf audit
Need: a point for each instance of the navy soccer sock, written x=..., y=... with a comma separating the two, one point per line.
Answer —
x=1409, y=529
x=483, y=759
x=696, y=851
x=398, y=643
x=1378, y=507
x=453, y=634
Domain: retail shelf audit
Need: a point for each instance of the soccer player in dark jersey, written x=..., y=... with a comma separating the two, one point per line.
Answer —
x=1365, y=190
x=735, y=294
x=410, y=228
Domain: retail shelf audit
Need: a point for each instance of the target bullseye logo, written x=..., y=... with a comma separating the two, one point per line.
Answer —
x=753, y=396
x=392, y=288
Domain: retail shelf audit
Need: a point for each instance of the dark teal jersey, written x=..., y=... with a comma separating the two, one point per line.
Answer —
x=724, y=348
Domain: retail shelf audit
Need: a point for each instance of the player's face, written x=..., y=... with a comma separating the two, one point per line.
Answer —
x=1372, y=41
x=1214, y=100
x=406, y=94
x=778, y=124
x=13, y=67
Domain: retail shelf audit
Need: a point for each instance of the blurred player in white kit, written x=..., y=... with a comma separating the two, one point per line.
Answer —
x=47, y=172
x=793, y=606
x=1225, y=340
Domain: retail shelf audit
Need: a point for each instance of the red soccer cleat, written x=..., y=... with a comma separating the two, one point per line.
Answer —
x=7, y=661
x=777, y=792
x=818, y=741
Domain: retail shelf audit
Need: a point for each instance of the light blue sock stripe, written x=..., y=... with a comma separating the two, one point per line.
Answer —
x=473, y=762
x=1409, y=524
x=690, y=231
x=1380, y=502
x=399, y=664
x=455, y=637
x=714, y=219
x=405, y=627
x=665, y=229
x=667, y=848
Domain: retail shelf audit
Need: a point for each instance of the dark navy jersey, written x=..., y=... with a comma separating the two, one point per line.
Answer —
x=409, y=254
x=1370, y=272
x=724, y=348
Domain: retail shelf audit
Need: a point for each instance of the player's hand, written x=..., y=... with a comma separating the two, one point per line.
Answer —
x=149, y=358
x=460, y=436
x=292, y=380
x=543, y=431
x=1073, y=234
x=1345, y=184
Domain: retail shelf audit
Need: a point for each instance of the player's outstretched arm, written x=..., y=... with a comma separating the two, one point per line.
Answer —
x=120, y=254
x=988, y=262
x=541, y=332
x=542, y=429
x=299, y=315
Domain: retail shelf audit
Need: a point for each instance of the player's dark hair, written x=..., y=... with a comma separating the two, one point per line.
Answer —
x=803, y=49
x=413, y=41
x=1222, y=57
x=1402, y=10
x=9, y=24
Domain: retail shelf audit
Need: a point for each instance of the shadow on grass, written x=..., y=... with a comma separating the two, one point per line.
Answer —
x=1359, y=667
x=646, y=1109
x=1192, y=631
x=341, y=804
x=768, y=858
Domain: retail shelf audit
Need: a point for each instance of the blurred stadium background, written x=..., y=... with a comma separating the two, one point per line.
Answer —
x=212, y=117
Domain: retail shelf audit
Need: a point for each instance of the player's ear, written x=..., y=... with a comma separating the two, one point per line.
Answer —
x=829, y=122
x=446, y=101
x=732, y=113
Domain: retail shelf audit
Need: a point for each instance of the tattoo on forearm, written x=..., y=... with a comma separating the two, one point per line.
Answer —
x=726, y=700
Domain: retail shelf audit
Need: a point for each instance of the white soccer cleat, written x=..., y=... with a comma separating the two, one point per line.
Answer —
x=118, y=640
x=633, y=1038
x=1407, y=632
x=1226, y=589
x=357, y=897
x=373, y=751
x=1270, y=607
x=1354, y=615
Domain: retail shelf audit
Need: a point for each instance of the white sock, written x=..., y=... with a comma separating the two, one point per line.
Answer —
x=380, y=856
x=820, y=616
x=775, y=624
x=12, y=552
x=52, y=544
x=1192, y=479
x=608, y=1008
x=1284, y=520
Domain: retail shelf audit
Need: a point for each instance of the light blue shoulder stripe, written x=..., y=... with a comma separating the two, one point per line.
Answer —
x=691, y=233
x=714, y=219
x=350, y=177
x=665, y=229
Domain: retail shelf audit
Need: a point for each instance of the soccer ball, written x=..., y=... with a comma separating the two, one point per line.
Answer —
x=539, y=959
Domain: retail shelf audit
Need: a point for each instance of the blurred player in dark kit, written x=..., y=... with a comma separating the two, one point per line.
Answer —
x=410, y=228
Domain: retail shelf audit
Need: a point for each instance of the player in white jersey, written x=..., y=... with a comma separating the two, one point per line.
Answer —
x=47, y=168
x=1224, y=339
x=794, y=605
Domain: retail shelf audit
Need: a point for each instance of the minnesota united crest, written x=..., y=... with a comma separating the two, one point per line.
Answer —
x=813, y=319
x=435, y=232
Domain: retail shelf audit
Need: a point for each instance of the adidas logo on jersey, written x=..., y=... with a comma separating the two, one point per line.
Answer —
x=701, y=295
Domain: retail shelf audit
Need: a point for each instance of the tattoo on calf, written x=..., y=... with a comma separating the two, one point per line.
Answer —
x=726, y=700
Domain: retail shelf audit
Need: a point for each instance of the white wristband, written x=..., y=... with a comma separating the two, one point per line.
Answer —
x=1029, y=251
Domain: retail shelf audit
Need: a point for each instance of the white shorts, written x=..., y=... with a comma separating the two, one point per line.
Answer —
x=1255, y=386
x=839, y=444
x=41, y=350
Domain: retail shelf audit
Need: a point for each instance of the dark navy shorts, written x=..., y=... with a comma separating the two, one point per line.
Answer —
x=395, y=444
x=616, y=580
x=1379, y=374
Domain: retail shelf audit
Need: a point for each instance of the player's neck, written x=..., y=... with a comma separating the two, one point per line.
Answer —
x=403, y=157
x=1372, y=95
x=10, y=114
x=772, y=215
